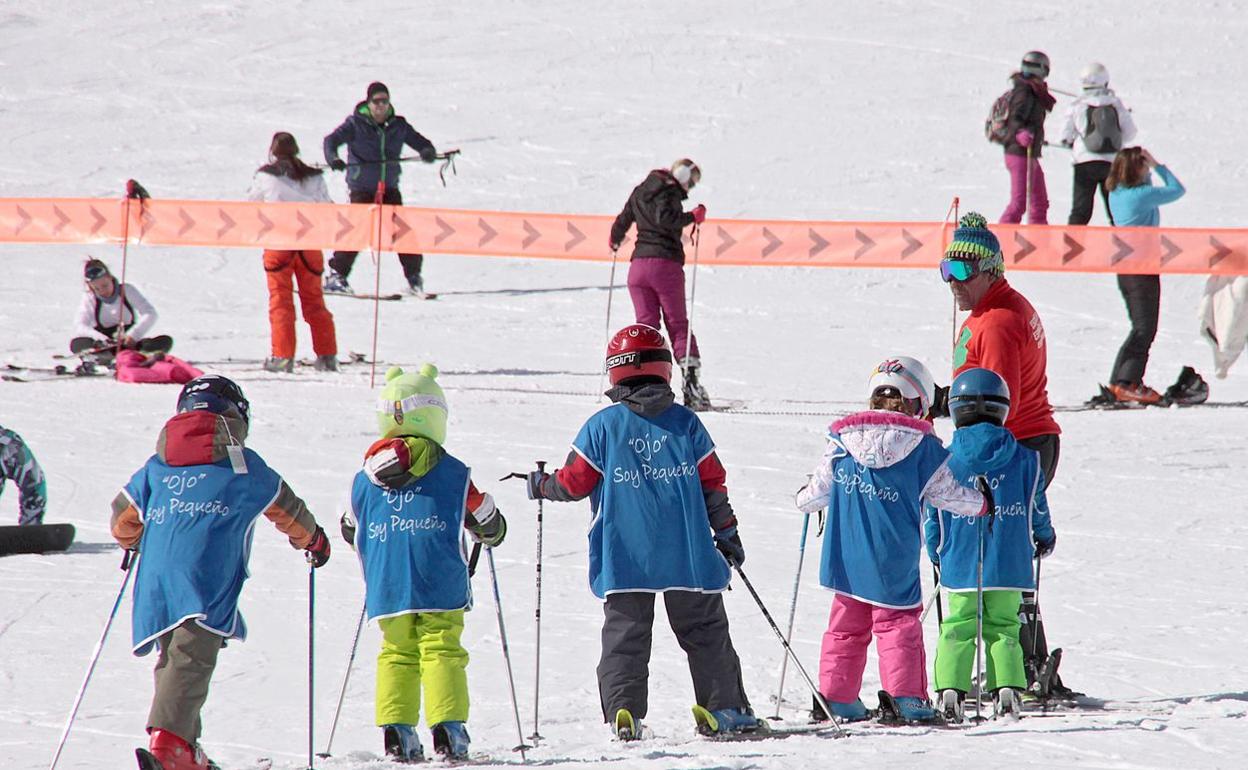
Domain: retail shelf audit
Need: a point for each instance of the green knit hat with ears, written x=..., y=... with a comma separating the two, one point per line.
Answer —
x=412, y=405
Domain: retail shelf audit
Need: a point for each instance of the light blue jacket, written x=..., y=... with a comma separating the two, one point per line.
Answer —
x=1022, y=514
x=1138, y=206
x=650, y=530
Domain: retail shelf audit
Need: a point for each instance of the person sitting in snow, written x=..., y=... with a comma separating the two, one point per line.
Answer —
x=111, y=315
x=662, y=524
x=190, y=512
x=410, y=504
x=1018, y=529
x=878, y=468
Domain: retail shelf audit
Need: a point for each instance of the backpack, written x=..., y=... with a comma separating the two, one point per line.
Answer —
x=998, y=117
x=1103, y=134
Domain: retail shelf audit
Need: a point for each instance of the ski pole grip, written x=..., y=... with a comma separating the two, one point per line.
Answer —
x=541, y=466
x=125, y=560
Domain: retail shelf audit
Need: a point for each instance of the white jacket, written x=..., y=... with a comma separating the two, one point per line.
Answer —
x=271, y=188
x=1076, y=124
x=94, y=312
x=1224, y=319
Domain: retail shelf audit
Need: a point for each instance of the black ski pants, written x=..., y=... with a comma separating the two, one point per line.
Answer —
x=1088, y=177
x=701, y=627
x=342, y=261
x=1142, y=293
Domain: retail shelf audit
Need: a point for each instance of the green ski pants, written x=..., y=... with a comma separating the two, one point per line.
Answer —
x=422, y=650
x=1003, y=657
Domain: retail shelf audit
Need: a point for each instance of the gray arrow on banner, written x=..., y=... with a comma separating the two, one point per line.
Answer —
x=1220, y=253
x=187, y=222
x=867, y=243
x=726, y=241
x=100, y=219
x=1073, y=248
x=444, y=231
x=61, y=216
x=1025, y=248
x=577, y=237
x=1124, y=250
x=487, y=232
x=24, y=218
x=912, y=244
x=818, y=244
x=346, y=227
x=1172, y=250
x=305, y=224
x=227, y=224
x=532, y=234
x=268, y=225
x=773, y=242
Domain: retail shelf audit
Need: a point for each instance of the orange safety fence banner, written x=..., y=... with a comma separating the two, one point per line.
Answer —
x=328, y=226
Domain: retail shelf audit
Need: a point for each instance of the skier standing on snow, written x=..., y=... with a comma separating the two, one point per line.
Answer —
x=1096, y=128
x=1136, y=202
x=190, y=511
x=286, y=178
x=1004, y=333
x=18, y=463
x=1019, y=530
x=375, y=137
x=111, y=312
x=1030, y=103
x=660, y=514
x=656, y=275
x=410, y=506
x=877, y=470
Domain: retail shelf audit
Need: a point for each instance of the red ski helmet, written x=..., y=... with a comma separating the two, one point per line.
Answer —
x=638, y=350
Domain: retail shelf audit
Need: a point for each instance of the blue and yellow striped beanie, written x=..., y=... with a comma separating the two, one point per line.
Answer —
x=974, y=242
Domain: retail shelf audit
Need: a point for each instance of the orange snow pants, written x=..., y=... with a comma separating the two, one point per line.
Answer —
x=305, y=267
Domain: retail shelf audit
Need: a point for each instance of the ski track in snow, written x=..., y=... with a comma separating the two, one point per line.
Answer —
x=794, y=110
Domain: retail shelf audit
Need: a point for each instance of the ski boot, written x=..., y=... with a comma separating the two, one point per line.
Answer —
x=951, y=706
x=416, y=288
x=335, y=283
x=1190, y=388
x=727, y=721
x=167, y=751
x=1006, y=704
x=402, y=744
x=450, y=740
x=275, y=364
x=627, y=728
x=905, y=709
x=846, y=712
x=695, y=396
x=326, y=363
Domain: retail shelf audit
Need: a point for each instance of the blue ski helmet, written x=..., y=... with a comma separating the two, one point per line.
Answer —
x=978, y=395
x=216, y=394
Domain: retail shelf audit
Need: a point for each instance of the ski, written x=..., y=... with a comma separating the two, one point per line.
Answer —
x=16, y=373
x=35, y=538
x=362, y=295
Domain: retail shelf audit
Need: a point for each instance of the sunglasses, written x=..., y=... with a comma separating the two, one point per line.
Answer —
x=95, y=272
x=958, y=270
x=380, y=100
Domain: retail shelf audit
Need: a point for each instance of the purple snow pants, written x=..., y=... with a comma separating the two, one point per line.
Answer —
x=1038, y=207
x=658, y=285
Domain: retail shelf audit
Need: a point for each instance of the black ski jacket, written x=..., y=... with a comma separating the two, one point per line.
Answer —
x=655, y=206
x=369, y=143
x=1030, y=103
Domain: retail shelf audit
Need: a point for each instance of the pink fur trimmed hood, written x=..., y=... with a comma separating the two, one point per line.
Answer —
x=878, y=439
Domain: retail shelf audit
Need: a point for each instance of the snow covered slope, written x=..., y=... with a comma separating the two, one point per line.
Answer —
x=801, y=110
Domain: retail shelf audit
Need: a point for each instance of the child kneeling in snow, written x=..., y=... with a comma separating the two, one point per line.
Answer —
x=661, y=512
x=409, y=507
x=190, y=511
x=1019, y=529
x=878, y=467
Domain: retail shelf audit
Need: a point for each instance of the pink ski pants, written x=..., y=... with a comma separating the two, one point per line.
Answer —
x=898, y=641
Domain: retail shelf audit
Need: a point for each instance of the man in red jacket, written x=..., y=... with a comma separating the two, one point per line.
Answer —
x=1004, y=333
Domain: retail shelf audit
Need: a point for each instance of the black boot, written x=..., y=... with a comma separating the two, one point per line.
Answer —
x=695, y=395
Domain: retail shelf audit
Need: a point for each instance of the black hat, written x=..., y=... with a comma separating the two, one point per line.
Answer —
x=377, y=87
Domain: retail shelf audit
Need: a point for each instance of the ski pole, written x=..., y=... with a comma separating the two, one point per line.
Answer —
x=693, y=291
x=311, y=650
x=379, y=198
x=1035, y=622
x=130, y=564
x=823, y=704
x=1027, y=198
x=610, y=293
x=502, y=635
x=931, y=600
x=537, y=620
x=797, y=582
x=355, y=643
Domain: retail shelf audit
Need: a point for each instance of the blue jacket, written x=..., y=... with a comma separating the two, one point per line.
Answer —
x=369, y=143
x=876, y=471
x=1138, y=206
x=410, y=542
x=1022, y=514
x=198, y=522
x=650, y=530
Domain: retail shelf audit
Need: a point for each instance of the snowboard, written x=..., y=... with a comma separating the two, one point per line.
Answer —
x=35, y=538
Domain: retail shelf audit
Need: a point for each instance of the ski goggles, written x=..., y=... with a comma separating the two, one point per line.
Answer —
x=958, y=269
x=94, y=272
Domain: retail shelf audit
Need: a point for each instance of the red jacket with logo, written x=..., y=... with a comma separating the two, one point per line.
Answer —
x=1004, y=334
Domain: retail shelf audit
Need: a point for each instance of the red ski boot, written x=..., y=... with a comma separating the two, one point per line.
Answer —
x=167, y=751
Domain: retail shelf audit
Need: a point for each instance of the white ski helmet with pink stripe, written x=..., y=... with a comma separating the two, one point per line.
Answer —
x=909, y=377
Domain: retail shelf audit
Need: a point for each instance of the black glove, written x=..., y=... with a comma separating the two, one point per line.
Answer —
x=318, y=549
x=1044, y=548
x=348, y=527
x=534, y=481
x=491, y=535
x=981, y=484
x=728, y=542
x=428, y=154
x=940, y=404
x=338, y=164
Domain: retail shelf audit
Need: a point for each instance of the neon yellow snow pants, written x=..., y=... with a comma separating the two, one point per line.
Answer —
x=955, y=652
x=422, y=649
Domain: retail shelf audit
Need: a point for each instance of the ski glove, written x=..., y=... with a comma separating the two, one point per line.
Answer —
x=318, y=549
x=728, y=542
x=491, y=534
x=699, y=214
x=428, y=154
x=990, y=504
x=338, y=164
x=940, y=404
x=1024, y=138
x=348, y=526
x=534, y=481
x=615, y=245
x=1045, y=547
